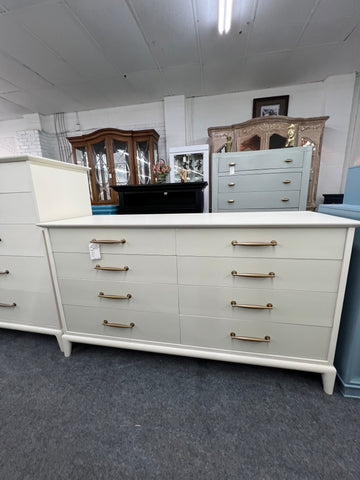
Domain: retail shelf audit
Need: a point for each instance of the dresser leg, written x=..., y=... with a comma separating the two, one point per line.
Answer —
x=60, y=341
x=67, y=347
x=328, y=379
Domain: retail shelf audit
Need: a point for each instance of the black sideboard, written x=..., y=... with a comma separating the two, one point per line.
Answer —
x=161, y=198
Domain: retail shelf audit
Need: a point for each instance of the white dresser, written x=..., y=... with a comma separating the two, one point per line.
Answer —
x=258, y=288
x=34, y=189
x=261, y=180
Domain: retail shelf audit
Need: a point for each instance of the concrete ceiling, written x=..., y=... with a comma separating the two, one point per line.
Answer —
x=74, y=55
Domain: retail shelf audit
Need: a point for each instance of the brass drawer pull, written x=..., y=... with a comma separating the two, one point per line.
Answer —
x=288, y=160
x=232, y=164
x=231, y=201
x=118, y=325
x=287, y=181
x=8, y=304
x=272, y=243
x=231, y=184
x=268, y=306
x=4, y=272
x=107, y=241
x=250, y=339
x=285, y=199
x=253, y=275
x=112, y=269
x=116, y=297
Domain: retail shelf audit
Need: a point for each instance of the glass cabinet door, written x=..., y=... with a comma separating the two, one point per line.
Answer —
x=193, y=163
x=143, y=164
x=121, y=162
x=101, y=171
x=81, y=158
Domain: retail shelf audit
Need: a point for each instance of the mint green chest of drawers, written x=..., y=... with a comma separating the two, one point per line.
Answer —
x=261, y=180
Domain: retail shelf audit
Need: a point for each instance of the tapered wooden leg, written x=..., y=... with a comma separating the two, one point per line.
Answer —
x=328, y=379
x=67, y=347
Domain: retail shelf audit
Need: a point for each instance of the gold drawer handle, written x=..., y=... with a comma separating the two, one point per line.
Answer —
x=108, y=241
x=118, y=325
x=272, y=243
x=285, y=199
x=288, y=160
x=112, y=269
x=287, y=181
x=8, y=304
x=253, y=275
x=231, y=201
x=4, y=272
x=268, y=306
x=232, y=164
x=116, y=297
x=231, y=184
x=250, y=339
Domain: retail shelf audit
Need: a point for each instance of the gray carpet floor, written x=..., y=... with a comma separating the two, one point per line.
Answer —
x=107, y=413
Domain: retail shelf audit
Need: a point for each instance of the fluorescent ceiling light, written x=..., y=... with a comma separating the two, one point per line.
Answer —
x=225, y=8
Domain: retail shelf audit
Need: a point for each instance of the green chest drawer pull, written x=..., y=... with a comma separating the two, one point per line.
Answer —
x=272, y=243
x=287, y=181
x=250, y=339
x=116, y=297
x=285, y=199
x=231, y=184
x=268, y=306
x=231, y=201
x=253, y=275
x=5, y=272
x=117, y=325
x=8, y=304
x=112, y=269
x=108, y=241
x=232, y=164
x=288, y=160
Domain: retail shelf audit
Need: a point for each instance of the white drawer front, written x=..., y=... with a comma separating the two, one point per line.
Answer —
x=23, y=240
x=233, y=201
x=287, y=340
x=156, y=327
x=32, y=308
x=300, y=307
x=312, y=275
x=17, y=208
x=136, y=268
x=137, y=240
x=25, y=273
x=144, y=297
x=269, y=182
x=274, y=159
x=15, y=177
x=318, y=243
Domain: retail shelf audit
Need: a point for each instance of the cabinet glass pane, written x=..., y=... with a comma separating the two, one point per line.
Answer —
x=82, y=159
x=143, y=162
x=193, y=163
x=101, y=170
x=121, y=162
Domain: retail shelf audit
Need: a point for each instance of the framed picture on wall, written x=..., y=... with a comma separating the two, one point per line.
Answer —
x=194, y=160
x=268, y=106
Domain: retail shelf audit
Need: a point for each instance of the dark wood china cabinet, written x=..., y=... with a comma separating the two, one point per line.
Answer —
x=115, y=157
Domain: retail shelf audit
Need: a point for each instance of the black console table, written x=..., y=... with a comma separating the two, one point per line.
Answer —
x=161, y=198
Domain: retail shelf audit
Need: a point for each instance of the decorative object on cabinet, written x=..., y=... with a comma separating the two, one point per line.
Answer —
x=191, y=164
x=160, y=171
x=116, y=157
x=269, y=106
x=33, y=190
x=161, y=198
x=347, y=358
x=261, y=180
x=266, y=133
x=300, y=260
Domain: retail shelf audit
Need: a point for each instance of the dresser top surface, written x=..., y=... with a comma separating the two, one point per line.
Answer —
x=42, y=161
x=206, y=220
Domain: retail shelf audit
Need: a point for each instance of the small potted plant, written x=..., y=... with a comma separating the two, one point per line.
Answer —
x=160, y=171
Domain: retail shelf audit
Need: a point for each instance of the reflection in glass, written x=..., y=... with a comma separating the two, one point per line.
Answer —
x=193, y=163
x=277, y=141
x=121, y=162
x=307, y=142
x=143, y=162
x=252, y=143
x=101, y=171
x=82, y=159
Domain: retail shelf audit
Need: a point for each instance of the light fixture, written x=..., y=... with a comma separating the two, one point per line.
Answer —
x=225, y=8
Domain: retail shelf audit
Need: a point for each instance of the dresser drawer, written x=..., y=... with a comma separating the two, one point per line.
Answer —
x=281, y=158
x=304, y=274
x=156, y=327
x=24, y=240
x=134, y=268
x=259, y=182
x=32, y=308
x=144, y=297
x=17, y=208
x=300, y=307
x=25, y=273
x=234, y=201
x=140, y=241
x=15, y=177
x=286, y=340
x=320, y=243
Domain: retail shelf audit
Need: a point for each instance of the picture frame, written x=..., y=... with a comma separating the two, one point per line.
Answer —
x=267, y=106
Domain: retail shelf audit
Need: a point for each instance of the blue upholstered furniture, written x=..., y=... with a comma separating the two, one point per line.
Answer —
x=347, y=359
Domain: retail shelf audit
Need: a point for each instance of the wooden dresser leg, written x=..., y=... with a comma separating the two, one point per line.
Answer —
x=328, y=379
x=67, y=347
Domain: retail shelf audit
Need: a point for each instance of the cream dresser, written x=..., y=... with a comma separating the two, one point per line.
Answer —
x=257, y=288
x=32, y=190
